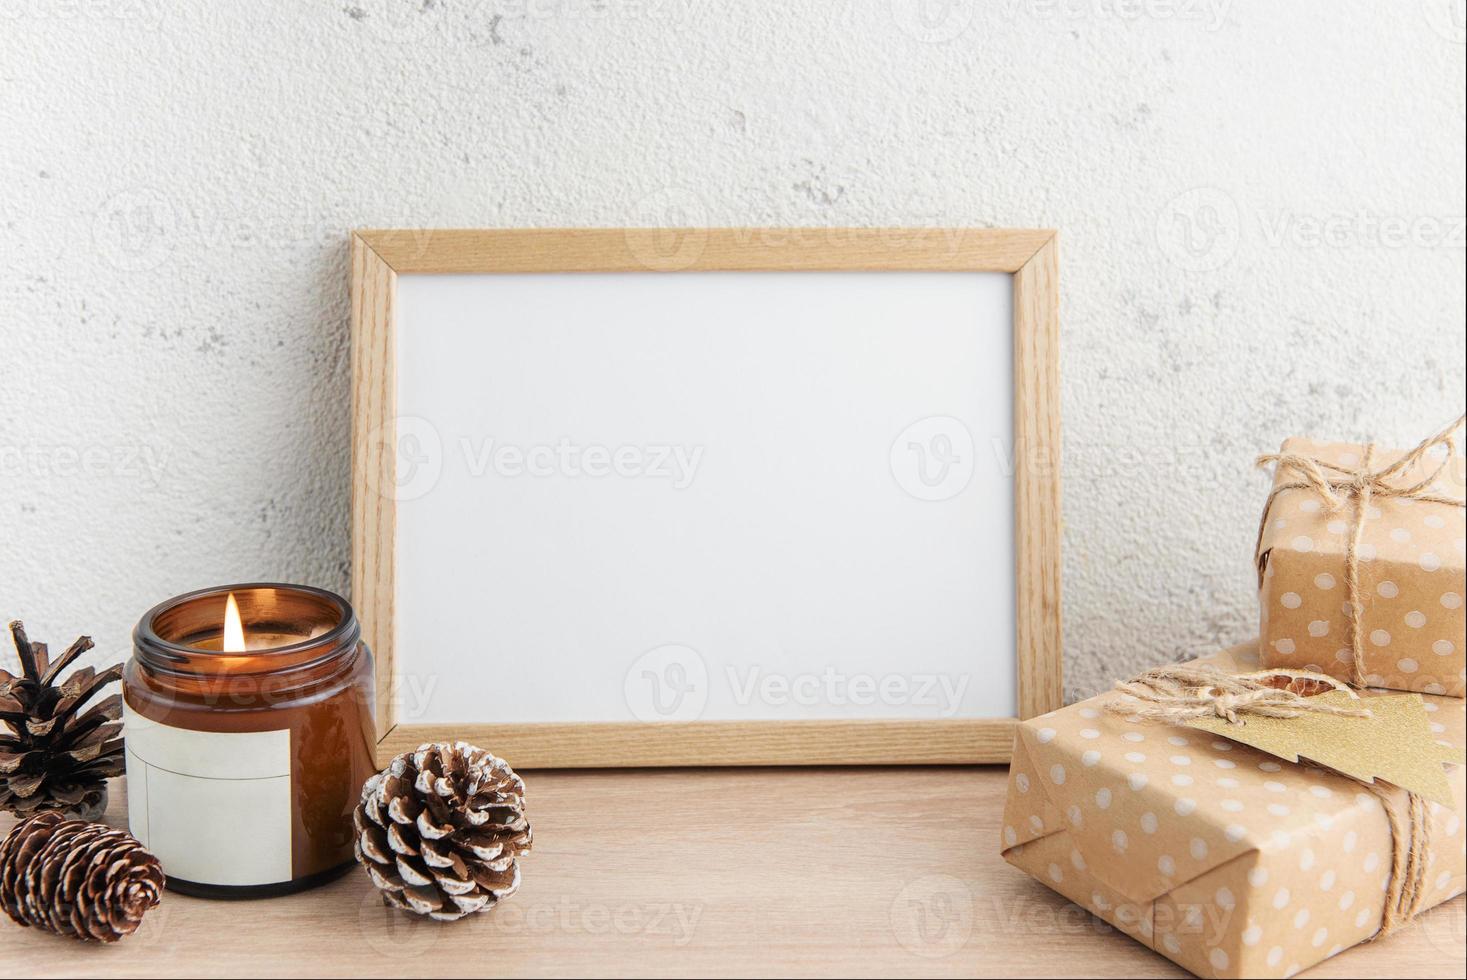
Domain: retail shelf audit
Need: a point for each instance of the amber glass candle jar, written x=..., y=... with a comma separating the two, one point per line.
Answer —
x=243, y=766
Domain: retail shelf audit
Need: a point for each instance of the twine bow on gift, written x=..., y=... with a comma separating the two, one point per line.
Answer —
x=1341, y=487
x=1183, y=692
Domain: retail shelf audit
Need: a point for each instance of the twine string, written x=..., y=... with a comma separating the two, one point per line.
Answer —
x=1340, y=487
x=1410, y=848
x=1183, y=692
x=1179, y=693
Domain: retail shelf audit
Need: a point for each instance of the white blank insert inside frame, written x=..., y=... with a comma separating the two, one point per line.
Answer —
x=715, y=496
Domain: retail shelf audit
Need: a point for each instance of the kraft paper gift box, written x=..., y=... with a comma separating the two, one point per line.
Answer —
x=1225, y=859
x=1410, y=620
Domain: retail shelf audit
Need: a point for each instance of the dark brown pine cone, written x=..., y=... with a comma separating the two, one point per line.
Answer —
x=76, y=878
x=440, y=830
x=55, y=755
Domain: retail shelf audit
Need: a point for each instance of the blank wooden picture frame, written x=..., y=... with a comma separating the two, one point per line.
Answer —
x=652, y=497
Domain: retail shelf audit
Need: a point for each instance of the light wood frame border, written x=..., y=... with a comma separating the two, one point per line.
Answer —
x=379, y=256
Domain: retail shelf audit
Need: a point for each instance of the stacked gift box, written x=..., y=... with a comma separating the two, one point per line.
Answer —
x=1230, y=860
x=1408, y=624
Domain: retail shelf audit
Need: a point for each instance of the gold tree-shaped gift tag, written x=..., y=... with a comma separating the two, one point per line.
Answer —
x=1391, y=742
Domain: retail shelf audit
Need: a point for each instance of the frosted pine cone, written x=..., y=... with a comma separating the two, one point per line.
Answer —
x=441, y=829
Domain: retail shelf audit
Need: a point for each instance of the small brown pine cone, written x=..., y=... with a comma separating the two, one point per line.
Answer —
x=76, y=878
x=441, y=829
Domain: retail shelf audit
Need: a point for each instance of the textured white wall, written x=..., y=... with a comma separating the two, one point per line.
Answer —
x=1261, y=208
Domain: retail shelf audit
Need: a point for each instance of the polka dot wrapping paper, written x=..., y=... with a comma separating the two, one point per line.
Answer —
x=1411, y=579
x=1223, y=858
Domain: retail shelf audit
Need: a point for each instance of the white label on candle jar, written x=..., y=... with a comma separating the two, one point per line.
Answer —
x=213, y=806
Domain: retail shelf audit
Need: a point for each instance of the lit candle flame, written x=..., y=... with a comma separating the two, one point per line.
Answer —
x=234, y=638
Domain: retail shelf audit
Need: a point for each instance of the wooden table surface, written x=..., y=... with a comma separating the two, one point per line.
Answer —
x=794, y=872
